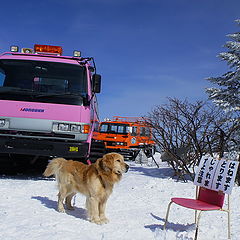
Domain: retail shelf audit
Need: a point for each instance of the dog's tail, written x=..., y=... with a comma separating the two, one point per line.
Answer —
x=54, y=166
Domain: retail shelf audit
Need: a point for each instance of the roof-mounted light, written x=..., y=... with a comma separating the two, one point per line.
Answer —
x=27, y=50
x=56, y=50
x=14, y=48
x=77, y=53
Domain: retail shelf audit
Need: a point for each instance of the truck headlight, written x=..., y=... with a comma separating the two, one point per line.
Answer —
x=4, y=123
x=121, y=143
x=68, y=127
x=75, y=128
x=63, y=127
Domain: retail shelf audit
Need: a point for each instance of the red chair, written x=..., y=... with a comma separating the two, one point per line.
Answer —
x=206, y=200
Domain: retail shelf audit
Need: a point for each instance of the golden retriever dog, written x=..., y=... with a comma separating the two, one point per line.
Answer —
x=95, y=181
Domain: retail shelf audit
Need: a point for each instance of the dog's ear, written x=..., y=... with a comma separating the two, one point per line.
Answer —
x=102, y=165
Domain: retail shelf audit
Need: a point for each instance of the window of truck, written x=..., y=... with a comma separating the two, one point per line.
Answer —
x=144, y=131
x=134, y=131
x=2, y=77
x=104, y=128
x=114, y=128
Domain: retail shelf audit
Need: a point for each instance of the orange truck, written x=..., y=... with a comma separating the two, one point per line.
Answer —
x=126, y=135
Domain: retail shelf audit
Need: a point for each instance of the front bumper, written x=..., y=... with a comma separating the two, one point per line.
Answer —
x=43, y=147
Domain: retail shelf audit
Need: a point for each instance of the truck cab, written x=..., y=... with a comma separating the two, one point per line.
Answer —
x=48, y=104
x=126, y=135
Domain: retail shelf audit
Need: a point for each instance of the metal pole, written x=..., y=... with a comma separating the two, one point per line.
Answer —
x=198, y=219
x=166, y=219
x=197, y=191
x=229, y=218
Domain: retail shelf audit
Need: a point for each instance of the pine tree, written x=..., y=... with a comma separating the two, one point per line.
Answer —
x=227, y=96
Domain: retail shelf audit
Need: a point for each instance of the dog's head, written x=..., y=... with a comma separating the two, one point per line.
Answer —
x=114, y=163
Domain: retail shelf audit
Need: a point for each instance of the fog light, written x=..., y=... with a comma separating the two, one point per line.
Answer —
x=77, y=54
x=27, y=50
x=14, y=48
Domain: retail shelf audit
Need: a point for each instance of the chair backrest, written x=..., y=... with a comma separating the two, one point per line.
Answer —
x=211, y=196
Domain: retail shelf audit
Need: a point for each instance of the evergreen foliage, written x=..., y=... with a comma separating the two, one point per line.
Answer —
x=227, y=96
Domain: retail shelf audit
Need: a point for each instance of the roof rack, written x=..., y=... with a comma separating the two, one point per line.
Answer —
x=47, y=55
x=128, y=119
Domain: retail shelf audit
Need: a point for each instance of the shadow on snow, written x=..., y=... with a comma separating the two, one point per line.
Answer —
x=32, y=177
x=176, y=227
x=153, y=172
x=162, y=172
x=77, y=212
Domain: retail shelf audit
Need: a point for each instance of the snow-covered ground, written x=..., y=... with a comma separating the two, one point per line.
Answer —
x=136, y=210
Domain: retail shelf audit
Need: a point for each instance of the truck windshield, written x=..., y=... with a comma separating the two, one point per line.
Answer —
x=114, y=128
x=20, y=79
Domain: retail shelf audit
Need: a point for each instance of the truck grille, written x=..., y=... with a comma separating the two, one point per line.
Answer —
x=36, y=134
x=111, y=143
x=30, y=145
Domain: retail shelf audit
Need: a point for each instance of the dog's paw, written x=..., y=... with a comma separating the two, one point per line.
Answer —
x=96, y=220
x=99, y=221
x=61, y=210
x=104, y=220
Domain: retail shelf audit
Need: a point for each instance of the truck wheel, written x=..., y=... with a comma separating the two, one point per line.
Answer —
x=97, y=150
x=134, y=155
x=149, y=151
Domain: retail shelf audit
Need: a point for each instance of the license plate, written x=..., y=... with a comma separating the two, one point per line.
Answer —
x=73, y=149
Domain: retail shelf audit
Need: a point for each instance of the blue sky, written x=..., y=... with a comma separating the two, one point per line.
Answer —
x=145, y=50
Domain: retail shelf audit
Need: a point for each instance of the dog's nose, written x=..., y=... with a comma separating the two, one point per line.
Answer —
x=127, y=167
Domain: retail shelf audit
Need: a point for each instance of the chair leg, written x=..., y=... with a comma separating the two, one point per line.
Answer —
x=166, y=219
x=195, y=217
x=197, y=223
x=198, y=220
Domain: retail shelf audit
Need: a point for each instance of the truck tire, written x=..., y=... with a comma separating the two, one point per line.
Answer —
x=97, y=150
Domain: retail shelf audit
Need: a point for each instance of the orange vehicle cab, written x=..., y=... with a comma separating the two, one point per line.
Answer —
x=126, y=135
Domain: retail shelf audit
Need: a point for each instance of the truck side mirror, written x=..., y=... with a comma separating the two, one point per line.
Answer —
x=96, y=80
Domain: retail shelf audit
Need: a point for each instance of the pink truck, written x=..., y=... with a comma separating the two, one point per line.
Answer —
x=48, y=104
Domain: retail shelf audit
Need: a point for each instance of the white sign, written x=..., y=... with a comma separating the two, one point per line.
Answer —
x=218, y=175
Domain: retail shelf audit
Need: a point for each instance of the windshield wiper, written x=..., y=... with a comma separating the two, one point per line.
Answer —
x=59, y=94
x=84, y=96
x=14, y=89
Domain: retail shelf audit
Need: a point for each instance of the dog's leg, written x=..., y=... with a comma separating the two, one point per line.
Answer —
x=92, y=204
x=102, y=207
x=61, y=196
x=88, y=207
x=68, y=201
